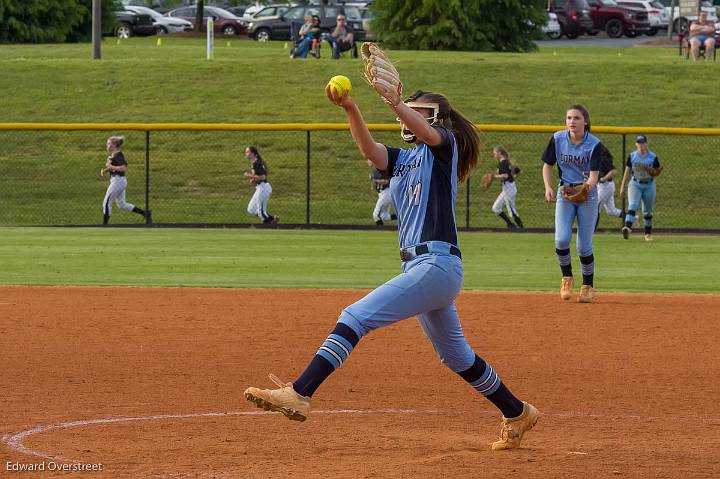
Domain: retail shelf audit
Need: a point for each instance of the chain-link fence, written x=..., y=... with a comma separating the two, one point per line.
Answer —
x=193, y=174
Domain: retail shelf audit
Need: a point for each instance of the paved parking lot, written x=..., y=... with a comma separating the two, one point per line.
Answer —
x=602, y=40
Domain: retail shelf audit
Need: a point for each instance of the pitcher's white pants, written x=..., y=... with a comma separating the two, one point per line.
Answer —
x=116, y=193
x=506, y=198
x=606, y=198
x=259, y=201
x=383, y=205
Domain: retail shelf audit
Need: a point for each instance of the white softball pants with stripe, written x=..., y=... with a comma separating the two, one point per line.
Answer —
x=606, y=197
x=259, y=201
x=116, y=193
x=383, y=205
x=506, y=198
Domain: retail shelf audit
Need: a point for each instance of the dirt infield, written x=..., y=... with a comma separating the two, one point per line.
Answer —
x=148, y=383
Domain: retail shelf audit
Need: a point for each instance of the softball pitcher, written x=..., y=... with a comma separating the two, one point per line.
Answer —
x=577, y=153
x=258, y=176
x=506, y=173
x=644, y=166
x=381, y=184
x=117, y=167
x=606, y=186
x=423, y=185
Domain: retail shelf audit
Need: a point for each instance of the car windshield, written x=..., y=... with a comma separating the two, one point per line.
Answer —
x=353, y=14
x=610, y=3
x=295, y=13
x=148, y=11
x=657, y=5
x=219, y=12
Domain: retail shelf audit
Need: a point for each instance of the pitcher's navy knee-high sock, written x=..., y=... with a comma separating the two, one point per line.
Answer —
x=563, y=256
x=332, y=353
x=485, y=380
x=588, y=268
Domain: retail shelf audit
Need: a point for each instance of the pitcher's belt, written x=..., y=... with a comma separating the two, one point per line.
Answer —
x=407, y=254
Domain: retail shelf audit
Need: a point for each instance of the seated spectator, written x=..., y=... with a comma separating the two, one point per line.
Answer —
x=309, y=36
x=702, y=33
x=341, y=39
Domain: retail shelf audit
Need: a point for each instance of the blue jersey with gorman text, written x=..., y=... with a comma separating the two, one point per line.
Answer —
x=640, y=163
x=423, y=186
x=575, y=162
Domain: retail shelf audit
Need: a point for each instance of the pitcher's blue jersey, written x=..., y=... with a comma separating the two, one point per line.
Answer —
x=575, y=162
x=423, y=186
x=635, y=161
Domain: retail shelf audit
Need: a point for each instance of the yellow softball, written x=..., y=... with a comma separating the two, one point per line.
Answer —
x=340, y=84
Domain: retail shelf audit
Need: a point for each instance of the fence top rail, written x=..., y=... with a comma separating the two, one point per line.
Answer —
x=621, y=130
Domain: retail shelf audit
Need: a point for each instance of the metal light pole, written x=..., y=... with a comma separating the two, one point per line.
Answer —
x=96, y=28
x=672, y=21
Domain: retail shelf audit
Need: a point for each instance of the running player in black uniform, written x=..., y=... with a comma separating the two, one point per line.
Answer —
x=117, y=166
x=606, y=185
x=381, y=184
x=506, y=173
x=263, y=190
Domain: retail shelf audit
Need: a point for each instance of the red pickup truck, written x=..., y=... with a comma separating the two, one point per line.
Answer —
x=617, y=20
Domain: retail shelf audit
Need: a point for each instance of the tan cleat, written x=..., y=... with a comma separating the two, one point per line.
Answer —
x=566, y=286
x=586, y=294
x=648, y=237
x=284, y=400
x=512, y=430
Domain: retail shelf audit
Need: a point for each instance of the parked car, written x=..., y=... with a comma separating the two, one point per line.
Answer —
x=573, y=16
x=278, y=28
x=162, y=23
x=680, y=18
x=225, y=22
x=552, y=27
x=657, y=15
x=617, y=20
x=130, y=24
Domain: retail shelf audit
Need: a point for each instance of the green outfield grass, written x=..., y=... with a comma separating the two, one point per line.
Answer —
x=335, y=259
x=251, y=82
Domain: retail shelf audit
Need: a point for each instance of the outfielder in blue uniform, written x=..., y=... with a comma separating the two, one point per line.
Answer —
x=423, y=183
x=644, y=166
x=577, y=154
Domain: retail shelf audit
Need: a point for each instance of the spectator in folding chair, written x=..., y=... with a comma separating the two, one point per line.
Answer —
x=342, y=38
x=306, y=38
x=702, y=36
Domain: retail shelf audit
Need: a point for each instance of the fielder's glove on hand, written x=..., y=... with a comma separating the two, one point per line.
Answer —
x=487, y=180
x=576, y=194
x=381, y=74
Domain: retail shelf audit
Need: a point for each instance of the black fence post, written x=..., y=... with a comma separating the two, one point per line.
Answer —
x=147, y=176
x=467, y=203
x=307, y=178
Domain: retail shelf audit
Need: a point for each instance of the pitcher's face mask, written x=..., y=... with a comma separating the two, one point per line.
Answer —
x=434, y=108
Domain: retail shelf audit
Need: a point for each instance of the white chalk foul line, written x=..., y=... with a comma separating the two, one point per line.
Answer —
x=15, y=440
